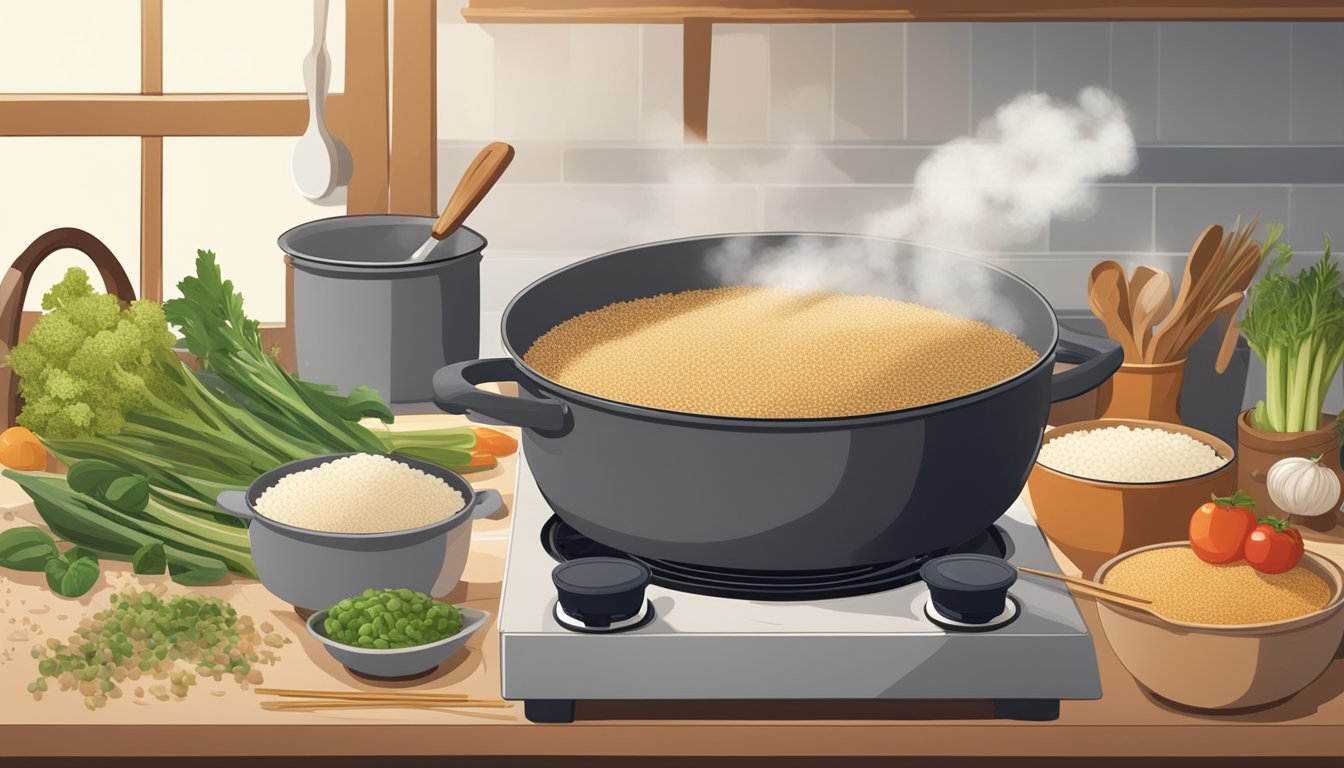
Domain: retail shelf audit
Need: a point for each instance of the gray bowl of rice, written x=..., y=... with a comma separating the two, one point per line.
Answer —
x=325, y=528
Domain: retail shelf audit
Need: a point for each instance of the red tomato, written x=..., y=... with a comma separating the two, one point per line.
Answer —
x=1218, y=530
x=1274, y=546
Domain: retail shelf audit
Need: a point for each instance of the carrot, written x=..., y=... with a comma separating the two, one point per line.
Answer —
x=495, y=442
x=20, y=449
x=481, y=460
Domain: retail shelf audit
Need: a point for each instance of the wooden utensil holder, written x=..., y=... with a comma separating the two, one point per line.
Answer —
x=1151, y=392
x=14, y=289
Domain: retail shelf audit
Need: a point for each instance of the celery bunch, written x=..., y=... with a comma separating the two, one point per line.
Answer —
x=1295, y=325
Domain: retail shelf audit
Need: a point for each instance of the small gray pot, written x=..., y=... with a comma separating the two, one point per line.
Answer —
x=398, y=662
x=316, y=569
x=364, y=315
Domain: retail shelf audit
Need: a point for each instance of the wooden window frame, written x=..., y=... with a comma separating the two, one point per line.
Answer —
x=394, y=168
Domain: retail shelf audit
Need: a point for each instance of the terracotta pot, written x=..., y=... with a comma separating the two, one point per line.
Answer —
x=1259, y=450
x=1144, y=391
x=1091, y=521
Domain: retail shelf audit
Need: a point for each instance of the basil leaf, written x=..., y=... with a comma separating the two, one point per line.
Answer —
x=197, y=574
x=71, y=579
x=128, y=493
x=26, y=549
x=76, y=552
x=149, y=560
x=92, y=475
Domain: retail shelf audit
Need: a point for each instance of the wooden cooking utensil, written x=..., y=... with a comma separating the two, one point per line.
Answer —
x=476, y=182
x=1096, y=591
x=1078, y=581
x=1229, y=344
x=1108, y=296
x=1196, y=265
x=1154, y=299
x=1192, y=332
x=1137, y=279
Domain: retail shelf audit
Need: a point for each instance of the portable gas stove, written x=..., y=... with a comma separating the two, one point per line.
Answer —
x=862, y=633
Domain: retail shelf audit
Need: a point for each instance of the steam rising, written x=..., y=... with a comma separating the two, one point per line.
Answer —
x=1035, y=159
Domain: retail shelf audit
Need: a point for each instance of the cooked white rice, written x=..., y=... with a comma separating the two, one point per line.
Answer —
x=1123, y=455
x=362, y=493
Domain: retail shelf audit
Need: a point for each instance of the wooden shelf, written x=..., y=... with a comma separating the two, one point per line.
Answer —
x=698, y=20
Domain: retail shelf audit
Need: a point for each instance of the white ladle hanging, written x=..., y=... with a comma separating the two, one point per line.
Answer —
x=321, y=163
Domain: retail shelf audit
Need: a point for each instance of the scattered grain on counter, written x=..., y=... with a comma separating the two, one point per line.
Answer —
x=143, y=634
x=1123, y=454
x=362, y=493
x=1185, y=588
x=776, y=353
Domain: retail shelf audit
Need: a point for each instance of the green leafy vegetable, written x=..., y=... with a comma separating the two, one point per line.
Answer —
x=149, y=560
x=71, y=575
x=1295, y=325
x=26, y=549
x=151, y=443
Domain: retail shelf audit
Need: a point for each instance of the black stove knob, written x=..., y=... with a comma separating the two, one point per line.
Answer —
x=601, y=591
x=968, y=588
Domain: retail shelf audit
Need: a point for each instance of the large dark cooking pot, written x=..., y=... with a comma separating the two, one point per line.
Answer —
x=778, y=494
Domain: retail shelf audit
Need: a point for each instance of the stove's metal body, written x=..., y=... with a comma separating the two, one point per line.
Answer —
x=876, y=646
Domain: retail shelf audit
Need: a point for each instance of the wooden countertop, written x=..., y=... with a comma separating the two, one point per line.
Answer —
x=1124, y=722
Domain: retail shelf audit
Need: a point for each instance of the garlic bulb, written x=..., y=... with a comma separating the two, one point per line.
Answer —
x=1302, y=486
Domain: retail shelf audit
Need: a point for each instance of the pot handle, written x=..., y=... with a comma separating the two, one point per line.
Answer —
x=488, y=502
x=234, y=503
x=1097, y=360
x=455, y=391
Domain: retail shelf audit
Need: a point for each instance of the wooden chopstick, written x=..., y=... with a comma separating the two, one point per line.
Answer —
x=1085, y=584
x=281, y=706
x=362, y=695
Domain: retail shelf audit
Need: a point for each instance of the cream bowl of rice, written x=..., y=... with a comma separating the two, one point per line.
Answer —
x=326, y=528
x=1107, y=486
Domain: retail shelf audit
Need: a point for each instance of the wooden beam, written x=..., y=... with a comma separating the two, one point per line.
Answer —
x=366, y=101
x=178, y=114
x=151, y=155
x=697, y=45
x=412, y=171
x=842, y=11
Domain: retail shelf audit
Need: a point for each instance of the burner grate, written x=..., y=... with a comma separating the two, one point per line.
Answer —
x=563, y=543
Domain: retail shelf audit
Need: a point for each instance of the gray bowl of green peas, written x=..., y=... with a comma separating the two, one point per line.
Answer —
x=410, y=661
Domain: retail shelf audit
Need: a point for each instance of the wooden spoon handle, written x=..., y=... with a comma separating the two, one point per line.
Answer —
x=1084, y=583
x=479, y=178
x=1229, y=344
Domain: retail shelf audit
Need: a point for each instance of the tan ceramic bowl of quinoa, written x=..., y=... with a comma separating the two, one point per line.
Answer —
x=1224, y=666
x=1095, y=507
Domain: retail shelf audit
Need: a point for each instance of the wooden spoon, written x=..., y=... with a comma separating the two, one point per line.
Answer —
x=477, y=181
x=1228, y=306
x=1196, y=265
x=1108, y=296
x=1229, y=344
x=1150, y=306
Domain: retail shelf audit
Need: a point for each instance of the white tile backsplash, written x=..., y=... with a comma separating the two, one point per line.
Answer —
x=1183, y=212
x=1316, y=212
x=1122, y=221
x=1224, y=82
x=465, y=101
x=531, y=67
x=1002, y=58
x=1071, y=56
x=1134, y=63
x=869, y=81
x=800, y=82
x=739, y=83
x=603, y=82
x=1318, y=82
x=938, y=81
x=660, y=112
